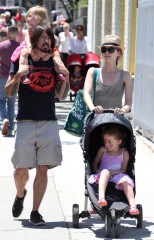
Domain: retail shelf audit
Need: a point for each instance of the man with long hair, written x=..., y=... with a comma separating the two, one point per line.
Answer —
x=37, y=141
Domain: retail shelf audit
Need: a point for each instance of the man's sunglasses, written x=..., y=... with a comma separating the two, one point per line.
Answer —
x=109, y=49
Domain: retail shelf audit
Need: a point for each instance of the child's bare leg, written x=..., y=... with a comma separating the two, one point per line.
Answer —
x=103, y=181
x=128, y=190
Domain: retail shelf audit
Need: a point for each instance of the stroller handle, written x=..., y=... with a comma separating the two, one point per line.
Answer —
x=92, y=113
x=109, y=110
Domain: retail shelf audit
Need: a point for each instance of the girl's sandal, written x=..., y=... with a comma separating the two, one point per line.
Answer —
x=134, y=211
x=102, y=202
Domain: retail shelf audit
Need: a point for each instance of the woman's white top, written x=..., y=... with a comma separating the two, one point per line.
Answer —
x=64, y=41
x=80, y=46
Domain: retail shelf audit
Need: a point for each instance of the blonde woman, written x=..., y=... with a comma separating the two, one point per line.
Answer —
x=112, y=82
x=64, y=41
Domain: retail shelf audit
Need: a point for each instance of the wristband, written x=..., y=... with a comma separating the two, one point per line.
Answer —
x=55, y=50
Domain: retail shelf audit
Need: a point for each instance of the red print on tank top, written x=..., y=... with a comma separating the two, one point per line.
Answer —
x=41, y=80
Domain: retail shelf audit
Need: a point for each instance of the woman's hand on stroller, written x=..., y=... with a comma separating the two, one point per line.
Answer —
x=120, y=111
x=100, y=109
x=97, y=109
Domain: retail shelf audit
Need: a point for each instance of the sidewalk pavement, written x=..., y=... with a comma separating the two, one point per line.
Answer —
x=66, y=187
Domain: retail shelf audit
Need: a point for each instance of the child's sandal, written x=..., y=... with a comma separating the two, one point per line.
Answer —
x=102, y=202
x=134, y=211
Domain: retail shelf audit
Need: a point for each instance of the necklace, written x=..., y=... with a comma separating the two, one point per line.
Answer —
x=36, y=57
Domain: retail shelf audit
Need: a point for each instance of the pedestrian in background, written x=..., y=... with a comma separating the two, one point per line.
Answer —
x=64, y=42
x=37, y=141
x=19, y=18
x=3, y=35
x=20, y=37
x=2, y=21
x=8, y=19
x=79, y=44
x=7, y=105
x=58, y=27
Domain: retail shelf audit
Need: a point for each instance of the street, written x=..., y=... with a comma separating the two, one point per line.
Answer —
x=66, y=187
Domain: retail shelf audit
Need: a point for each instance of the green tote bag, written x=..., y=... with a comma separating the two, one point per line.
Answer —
x=74, y=122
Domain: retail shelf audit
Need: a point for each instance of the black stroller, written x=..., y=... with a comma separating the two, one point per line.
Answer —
x=117, y=202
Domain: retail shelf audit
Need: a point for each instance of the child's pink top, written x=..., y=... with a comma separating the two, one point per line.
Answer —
x=112, y=163
x=17, y=51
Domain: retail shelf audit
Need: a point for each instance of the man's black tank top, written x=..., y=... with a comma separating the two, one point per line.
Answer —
x=36, y=98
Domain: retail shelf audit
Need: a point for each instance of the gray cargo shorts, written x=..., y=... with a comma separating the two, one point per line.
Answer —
x=37, y=143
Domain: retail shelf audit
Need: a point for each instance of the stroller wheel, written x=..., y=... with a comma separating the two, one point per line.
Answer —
x=107, y=225
x=75, y=215
x=140, y=216
x=117, y=228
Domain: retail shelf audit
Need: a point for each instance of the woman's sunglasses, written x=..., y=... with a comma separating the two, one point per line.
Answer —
x=109, y=49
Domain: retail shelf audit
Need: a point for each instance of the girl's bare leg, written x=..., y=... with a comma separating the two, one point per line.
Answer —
x=103, y=181
x=128, y=190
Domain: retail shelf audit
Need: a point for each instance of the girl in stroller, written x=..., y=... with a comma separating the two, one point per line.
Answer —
x=110, y=164
x=97, y=133
x=78, y=66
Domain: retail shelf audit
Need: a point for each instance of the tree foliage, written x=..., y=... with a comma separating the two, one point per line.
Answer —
x=72, y=6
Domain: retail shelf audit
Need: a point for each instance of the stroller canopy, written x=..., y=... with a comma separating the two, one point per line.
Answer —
x=74, y=59
x=91, y=59
x=93, y=122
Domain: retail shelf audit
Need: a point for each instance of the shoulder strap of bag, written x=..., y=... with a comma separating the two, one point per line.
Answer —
x=121, y=75
x=94, y=81
x=95, y=77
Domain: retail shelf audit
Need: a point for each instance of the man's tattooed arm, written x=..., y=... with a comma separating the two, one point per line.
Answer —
x=63, y=88
x=12, y=85
x=14, y=90
x=66, y=90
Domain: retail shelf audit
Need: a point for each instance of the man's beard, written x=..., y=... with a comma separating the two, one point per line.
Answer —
x=45, y=48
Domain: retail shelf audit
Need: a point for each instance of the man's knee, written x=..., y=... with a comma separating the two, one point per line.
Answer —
x=21, y=173
x=42, y=170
